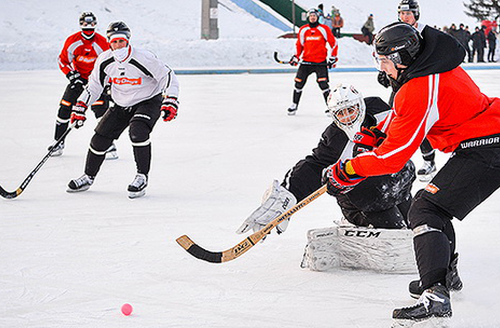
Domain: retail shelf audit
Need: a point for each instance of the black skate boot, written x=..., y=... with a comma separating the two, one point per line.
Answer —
x=292, y=110
x=56, y=151
x=111, y=152
x=138, y=187
x=433, y=303
x=426, y=172
x=453, y=281
x=81, y=184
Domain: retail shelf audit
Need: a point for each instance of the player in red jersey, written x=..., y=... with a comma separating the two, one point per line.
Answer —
x=76, y=61
x=312, y=42
x=437, y=99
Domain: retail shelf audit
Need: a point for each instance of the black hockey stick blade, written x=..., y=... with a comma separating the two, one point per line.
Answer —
x=13, y=194
x=199, y=252
x=276, y=58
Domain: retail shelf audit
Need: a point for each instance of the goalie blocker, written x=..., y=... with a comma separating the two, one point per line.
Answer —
x=353, y=247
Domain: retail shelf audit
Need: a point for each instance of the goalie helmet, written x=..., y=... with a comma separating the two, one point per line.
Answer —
x=409, y=5
x=347, y=108
x=118, y=30
x=399, y=42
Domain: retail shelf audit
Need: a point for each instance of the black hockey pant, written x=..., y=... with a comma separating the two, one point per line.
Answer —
x=469, y=177
x=71, y=94
x=301, y=78
x=140, y=119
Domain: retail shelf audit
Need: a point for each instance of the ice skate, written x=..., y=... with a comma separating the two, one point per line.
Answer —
x=111, y=153
x=56, y=151
x=81, y=184
x=138, y=187
x=427, y=171
x=292, y=110
x=453, y=281
x=433, y=305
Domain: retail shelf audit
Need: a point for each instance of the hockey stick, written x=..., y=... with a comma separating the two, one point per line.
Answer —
x=279, y=61
x=236, y=251
x=18, y=191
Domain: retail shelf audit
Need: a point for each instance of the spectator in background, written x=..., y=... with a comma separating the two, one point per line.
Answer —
x=453, y=31
x=321, y=13
x=368, y=29
x=468, y=38
x=478, y=45
x=492, y=42
x=463, y=38
x=337, y=23
x=328, y=21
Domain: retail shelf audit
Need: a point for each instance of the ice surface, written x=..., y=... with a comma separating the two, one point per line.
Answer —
x=72, y=260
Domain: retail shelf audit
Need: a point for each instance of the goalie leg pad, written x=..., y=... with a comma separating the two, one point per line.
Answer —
x=380, y=250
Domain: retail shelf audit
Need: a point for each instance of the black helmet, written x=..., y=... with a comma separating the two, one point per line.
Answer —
x=118, y=28
x=88, y=21
x=400, y=38
x=410, y=5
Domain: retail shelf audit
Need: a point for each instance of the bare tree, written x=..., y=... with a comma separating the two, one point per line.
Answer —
x=483, y=9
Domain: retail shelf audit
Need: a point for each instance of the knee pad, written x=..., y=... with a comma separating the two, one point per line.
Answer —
x=299, y=84
x=99, y=144
x=323, y=84
x=64, y=112
x=425, y=213
x=139, y=133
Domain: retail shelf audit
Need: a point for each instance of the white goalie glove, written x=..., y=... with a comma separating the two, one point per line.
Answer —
x=276, y=201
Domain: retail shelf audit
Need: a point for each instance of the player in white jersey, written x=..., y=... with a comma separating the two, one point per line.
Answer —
x=142, y=89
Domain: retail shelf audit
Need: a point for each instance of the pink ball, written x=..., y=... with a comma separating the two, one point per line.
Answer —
x=126, y=309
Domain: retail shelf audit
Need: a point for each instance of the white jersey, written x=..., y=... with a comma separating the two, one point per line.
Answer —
x=140, y=77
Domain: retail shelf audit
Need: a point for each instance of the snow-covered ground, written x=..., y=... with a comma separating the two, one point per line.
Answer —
x=32, y=33
x=71, y=260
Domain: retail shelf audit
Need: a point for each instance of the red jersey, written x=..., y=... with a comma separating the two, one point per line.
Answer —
x=446, y=108
x=80, y=54
x=312, y=41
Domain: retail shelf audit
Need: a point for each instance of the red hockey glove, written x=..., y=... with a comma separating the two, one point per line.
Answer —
x=78, y=114
x=169, y=108
x=294, y=61
x=332, y=62
x=367, y=139
x=338, y=181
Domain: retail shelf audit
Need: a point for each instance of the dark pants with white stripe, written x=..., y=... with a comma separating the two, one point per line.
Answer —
x=140, y=118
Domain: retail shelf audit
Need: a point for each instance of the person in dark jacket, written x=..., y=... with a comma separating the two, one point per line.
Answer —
x=478, y=45
x=492, y=43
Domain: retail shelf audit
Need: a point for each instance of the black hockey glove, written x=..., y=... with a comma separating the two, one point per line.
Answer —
x=294, y=61
x=383, y=79
x=332, y=62
x=75, y=77
x=367, y=139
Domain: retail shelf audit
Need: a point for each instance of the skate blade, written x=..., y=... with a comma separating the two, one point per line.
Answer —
x=433, y=322
x=425, y=177
x=77, y=190
x=136, y=194
x=112, y=155
x=292, y=113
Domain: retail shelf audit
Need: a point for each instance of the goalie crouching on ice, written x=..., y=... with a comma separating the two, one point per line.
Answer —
x=375, y=210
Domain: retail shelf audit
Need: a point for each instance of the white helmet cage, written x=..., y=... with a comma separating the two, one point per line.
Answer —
x=347, y=108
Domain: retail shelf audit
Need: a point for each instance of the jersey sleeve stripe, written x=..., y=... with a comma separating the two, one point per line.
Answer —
x=141, y=67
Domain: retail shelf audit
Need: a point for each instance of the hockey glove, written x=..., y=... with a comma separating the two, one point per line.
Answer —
x=337, y=179
x=294, y=61
x=75, y=77
x=169, y=108
x=276, y=201
x=78, y=114
x=332, y=62
x=383, y=79
x=367, y=139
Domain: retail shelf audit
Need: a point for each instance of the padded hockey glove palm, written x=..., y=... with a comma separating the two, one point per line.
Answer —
x=294, y=61
x=367, y=139
x=169, y=108
x=75, y=77
x=276, y=201
x=332, y=62
x=383, y=79
x=78, y=114
x=337, y=179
